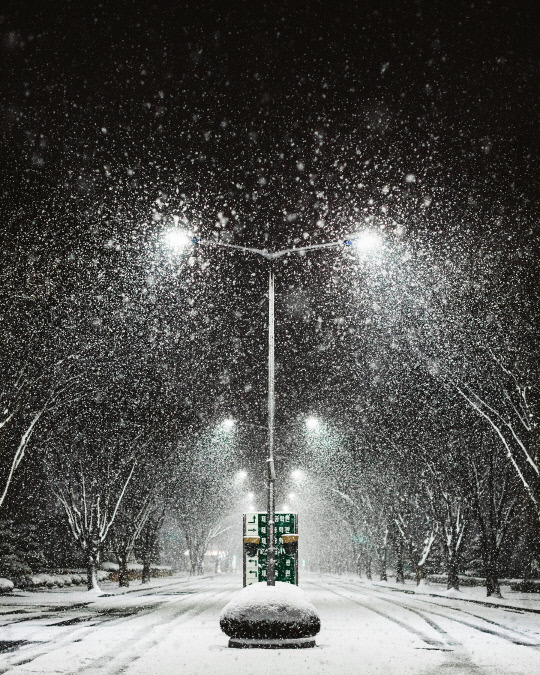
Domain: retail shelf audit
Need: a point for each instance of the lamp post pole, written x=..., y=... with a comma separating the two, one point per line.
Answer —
x=186, y=239
x=271, y=551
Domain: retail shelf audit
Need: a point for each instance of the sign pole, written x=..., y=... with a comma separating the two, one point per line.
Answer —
x=271, y=560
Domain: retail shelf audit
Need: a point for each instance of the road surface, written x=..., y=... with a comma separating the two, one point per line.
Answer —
x=174, y=628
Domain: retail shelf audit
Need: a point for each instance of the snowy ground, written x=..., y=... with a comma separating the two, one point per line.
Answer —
x=173, y=627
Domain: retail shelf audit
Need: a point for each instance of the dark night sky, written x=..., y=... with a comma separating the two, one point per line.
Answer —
x=273, y=109
x=265, y=123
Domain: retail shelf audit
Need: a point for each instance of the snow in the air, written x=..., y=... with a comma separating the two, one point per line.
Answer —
x=259, y=258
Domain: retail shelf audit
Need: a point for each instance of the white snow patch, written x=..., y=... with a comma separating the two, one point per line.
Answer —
x=453, y=593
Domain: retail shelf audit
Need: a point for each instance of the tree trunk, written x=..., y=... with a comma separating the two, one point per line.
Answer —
x=453, y=579
x=199, y=557
x=123, y=579
x=420, y=575
x=383, y=556
x=92, y=561
x=146, y=570
x=368, y=567
x=493, y=586
x=400, y=575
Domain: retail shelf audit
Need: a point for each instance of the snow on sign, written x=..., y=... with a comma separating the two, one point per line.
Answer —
x=256, y=547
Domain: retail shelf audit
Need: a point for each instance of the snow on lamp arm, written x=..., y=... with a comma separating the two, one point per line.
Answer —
x=362, y=241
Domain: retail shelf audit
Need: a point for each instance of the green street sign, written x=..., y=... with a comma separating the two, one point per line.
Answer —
x=255, y=566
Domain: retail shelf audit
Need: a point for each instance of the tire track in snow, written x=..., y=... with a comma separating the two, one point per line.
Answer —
x=519, y=638
x=439, y=606
x=121, y=661
x=432, y=642
x=30, y=652
x=458, y=656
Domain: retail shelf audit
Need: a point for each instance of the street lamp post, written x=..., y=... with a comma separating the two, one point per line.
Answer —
x=270, y=517
x=363, y=240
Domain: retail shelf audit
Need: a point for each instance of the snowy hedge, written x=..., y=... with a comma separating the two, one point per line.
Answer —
x=463, y=580
x=6, y=586
x=526, y=586
x=135, y=570
x=58, y=580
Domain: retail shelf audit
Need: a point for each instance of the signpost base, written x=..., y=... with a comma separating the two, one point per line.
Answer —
x=279, y=643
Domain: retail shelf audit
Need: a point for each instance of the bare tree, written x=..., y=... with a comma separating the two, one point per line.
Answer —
x=128, y=527
x=204, y=492
x=146, y=546
x=146, y=498
x=451, y=512
x=24, y=403
x=491, y=488
x=507, y=408
x=416, y=530
x=90, y=475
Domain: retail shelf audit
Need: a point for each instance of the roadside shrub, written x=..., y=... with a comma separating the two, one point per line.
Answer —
x=6, y=586
x=526, y=586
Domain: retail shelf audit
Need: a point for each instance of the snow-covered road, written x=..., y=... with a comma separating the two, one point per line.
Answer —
x=173, y=628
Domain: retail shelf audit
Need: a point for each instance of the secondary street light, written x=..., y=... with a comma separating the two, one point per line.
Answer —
x=363, y=241
x=228, y=424
x=312, y=424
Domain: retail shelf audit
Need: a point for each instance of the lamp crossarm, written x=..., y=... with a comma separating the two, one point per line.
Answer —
x=273, y=255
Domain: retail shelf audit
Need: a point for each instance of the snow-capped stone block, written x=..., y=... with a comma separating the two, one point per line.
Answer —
x=270, y=613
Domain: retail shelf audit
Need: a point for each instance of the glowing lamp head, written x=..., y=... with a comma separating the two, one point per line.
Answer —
x=178, y=240
x=367, y=241
x=228, y=424
x=297, y=475
x=312, y=424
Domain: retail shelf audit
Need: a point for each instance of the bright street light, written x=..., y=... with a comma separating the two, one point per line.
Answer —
x=312, y=424
x=228, y=424
x=241, y=475
x=178, y=240
x=367, y=241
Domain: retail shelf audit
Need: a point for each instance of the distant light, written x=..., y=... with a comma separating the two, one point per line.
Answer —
x=228, y=424
x=250, y=495
x=312, y=423
x=241, y=475
x=286, y=508
x=178, y=240
x=367, y=241
x=297, y=475
x=291, y=496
